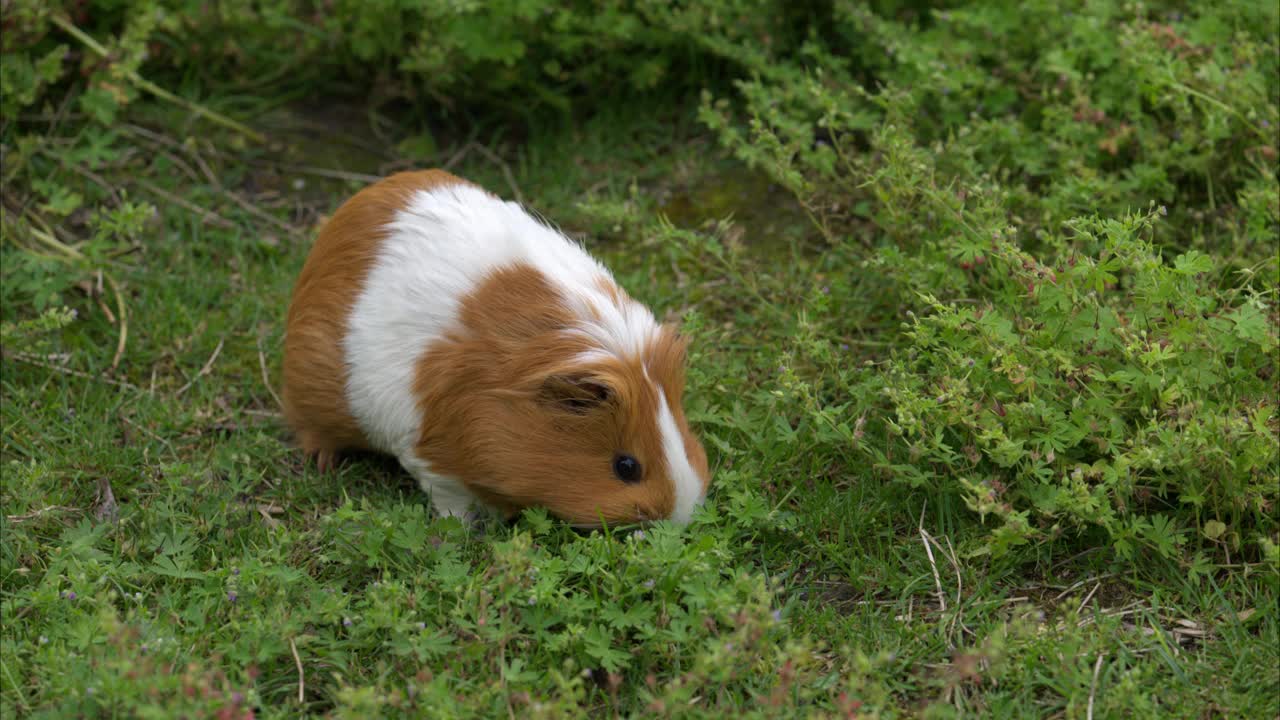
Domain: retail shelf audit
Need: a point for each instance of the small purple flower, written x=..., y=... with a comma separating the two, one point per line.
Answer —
x=1266, y=123
x=231, y=596
x=777, y=615
x=89, y=690
x=637, y=535
x=844, y=346
x=422, y=626
x=648, y=584
x=144, y=648
x=237, y=698
x=235, y=571
x=68, y=594
x=346, y=622
x=826, y=290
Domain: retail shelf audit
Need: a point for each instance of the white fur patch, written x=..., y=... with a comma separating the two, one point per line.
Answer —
x=688, y=485
x=622, y=329
x=438, y=249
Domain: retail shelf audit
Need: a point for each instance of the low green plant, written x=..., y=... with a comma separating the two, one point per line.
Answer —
x=985, y=362
x=404, y=594
x=1066, y=365
x=508, y=55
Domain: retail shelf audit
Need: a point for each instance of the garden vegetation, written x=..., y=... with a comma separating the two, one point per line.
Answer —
x=985, y=353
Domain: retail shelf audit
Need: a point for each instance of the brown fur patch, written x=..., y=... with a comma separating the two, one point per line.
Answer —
x=489, y=422
x=315, y=372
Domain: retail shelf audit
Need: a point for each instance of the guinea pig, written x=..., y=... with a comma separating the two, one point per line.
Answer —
x=497, y=360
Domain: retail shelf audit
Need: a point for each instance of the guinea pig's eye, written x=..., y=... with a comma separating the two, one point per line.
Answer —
x=626, y=468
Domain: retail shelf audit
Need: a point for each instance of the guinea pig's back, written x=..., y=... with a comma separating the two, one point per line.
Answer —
x=331, y=284
x=444, y=243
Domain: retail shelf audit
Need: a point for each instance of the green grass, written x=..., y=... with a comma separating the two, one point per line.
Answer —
x=804, y=586
x=985, y=354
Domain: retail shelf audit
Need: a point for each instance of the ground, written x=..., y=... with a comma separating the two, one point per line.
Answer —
x=165, y=546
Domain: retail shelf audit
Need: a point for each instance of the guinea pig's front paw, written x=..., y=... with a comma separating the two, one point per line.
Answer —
x=470, y=513
x=475, y=520
x=449, y=498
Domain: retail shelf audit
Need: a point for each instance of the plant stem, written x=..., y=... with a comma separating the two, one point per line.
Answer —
x=156, y=90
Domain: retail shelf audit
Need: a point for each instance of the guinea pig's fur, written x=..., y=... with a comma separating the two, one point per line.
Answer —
x=497, y=360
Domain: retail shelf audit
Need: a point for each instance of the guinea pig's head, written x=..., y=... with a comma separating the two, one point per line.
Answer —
x=595, y=437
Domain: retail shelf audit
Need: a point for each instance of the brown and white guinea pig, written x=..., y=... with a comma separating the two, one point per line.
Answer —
x=497, y=360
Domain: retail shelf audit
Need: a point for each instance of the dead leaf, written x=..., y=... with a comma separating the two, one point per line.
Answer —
x=105, y=508
x=266, y=511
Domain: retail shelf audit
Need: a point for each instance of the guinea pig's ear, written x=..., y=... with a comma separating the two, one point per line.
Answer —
x=576, y=394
